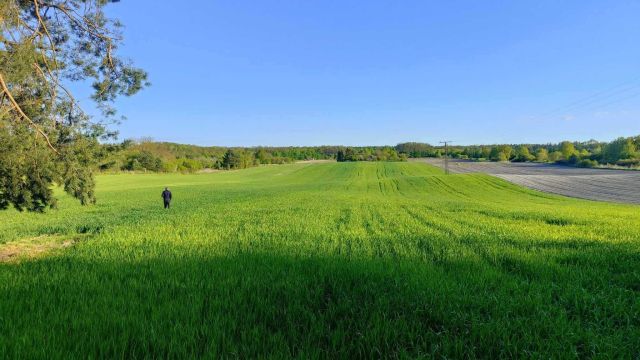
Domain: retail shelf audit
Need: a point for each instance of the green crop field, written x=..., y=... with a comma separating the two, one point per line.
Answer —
x=323, y=260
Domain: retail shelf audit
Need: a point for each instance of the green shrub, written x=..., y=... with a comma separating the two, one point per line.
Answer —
x=141, y=161
x=587, y=163
x=628, y=162
x=188, y=165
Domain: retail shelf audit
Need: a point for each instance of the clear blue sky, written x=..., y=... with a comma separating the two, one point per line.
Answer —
x=381, y=72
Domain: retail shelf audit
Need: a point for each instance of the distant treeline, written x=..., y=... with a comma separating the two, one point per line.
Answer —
x=623, y=152
x=148, y=155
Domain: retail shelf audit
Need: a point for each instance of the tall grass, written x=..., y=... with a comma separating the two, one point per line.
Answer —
x=325, y=260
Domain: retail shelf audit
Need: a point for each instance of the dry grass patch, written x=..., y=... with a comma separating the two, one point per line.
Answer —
x=34, y=247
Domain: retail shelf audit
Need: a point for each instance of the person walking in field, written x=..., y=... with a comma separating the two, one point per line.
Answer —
x=166, y=196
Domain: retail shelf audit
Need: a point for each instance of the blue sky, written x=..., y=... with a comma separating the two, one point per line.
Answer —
x=382, y=72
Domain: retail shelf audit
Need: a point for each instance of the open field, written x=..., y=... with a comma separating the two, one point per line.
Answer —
x=324, y=260
x=593, y=184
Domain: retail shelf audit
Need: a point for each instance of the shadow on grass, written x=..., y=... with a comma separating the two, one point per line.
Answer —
x=257, y=305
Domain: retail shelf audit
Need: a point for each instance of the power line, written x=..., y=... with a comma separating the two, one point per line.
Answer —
x=610, y=95
x=614, y=101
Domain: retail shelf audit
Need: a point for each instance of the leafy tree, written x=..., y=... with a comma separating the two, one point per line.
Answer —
x=349, y=154
x=567, y=149
x=46, y=138
x=507, y=151
x=583, y=153
x=523, y=154
x=542, y=155
x=143, y=160
x=619, y=149
x=555, y=156
x=501, y=153
x=628, y=150
x=263, y=156
x=415, y=150
x=231, y=159
x=486, y=152
x=237, y=159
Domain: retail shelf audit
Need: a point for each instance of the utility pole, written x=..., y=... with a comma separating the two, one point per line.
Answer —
x=446, y=155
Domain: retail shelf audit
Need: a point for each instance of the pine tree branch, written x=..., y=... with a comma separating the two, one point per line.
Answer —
x=18, y=109
x=86, y=25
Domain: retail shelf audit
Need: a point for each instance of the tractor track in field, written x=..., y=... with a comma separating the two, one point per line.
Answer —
x=592, y=184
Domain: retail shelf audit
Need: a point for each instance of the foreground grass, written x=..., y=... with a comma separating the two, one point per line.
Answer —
x=325, y=260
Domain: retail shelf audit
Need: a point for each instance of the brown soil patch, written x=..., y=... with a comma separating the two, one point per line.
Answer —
x=593, y=184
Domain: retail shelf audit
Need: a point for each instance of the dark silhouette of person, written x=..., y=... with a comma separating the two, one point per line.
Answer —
x=166, y=196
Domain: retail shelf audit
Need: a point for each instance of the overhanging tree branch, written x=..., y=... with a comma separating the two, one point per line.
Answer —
x=44, y=44
x=18, y=109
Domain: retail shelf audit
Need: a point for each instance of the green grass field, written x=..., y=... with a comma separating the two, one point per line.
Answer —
x=324, y=260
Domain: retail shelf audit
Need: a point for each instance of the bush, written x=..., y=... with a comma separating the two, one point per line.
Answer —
x=555, y=156
x=188, y=165
x=628, y=162
x=587, y=163
x=143, y=160
x=574, y=159
x=170, y=166
x=237, y=159
x=109, y=165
